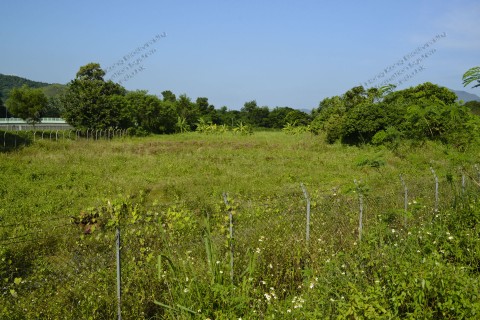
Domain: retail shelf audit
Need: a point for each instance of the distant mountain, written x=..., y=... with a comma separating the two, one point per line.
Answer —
x=307, y=111
x=465, y=96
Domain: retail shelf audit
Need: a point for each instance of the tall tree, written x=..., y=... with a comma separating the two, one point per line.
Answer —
x=88, y=103
x=27, y=103
x=91, y=71
x=187, y=110
x=169, y=96
x=151, y=114
x=281, y=116
x=207, y=111
x=255, y=115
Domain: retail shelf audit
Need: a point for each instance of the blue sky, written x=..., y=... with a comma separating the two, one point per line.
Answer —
x=279, y=53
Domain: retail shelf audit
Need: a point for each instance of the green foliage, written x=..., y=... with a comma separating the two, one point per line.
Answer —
x=279, y=117
x=7, y=83
x=150, y=113
x=210, y=128
x=206, y=110
x=293, y=128
x=182, y=125
x=362, y=122
x=27, y=103
x=242, y=129
x=389, y=137
x=92, y=103
x=90, y=72
x=169, y=96
x=254, y=115
x=472, y=75
x=376, y=162
x=54, y=93
x=474, y=107
x=188, y=112
x=334, y=128
x=383, y=116
x=175, y=238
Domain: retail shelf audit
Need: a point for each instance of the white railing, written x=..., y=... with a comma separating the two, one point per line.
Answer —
x=21, y=121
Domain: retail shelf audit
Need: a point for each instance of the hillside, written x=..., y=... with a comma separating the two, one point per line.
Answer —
x=8, y=82
x=466, y=96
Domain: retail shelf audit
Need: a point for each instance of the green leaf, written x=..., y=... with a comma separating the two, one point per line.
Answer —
x=14, y=293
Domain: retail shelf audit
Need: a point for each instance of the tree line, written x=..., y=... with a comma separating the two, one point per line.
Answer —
x=384, y=116
x=359, y=116
x=91, y=102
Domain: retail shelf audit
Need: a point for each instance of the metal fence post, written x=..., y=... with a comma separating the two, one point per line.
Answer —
x=436, y=189
x=405, y=196
x=119, y=275
x=360, y=218
x=230, y=217
x=307, y=231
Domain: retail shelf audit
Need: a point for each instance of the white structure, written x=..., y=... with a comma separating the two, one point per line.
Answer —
x=45, y=124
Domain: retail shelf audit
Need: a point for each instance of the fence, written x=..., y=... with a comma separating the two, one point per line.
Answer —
x=70, y=267
x=18, y=124
x=13, y=138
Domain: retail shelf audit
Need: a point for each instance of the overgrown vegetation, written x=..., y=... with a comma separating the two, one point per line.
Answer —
x=381, y=116
x=384, y=116
x=62, y=200
x=213, y=222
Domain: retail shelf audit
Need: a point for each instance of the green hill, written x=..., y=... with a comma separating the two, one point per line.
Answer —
x=8, y=82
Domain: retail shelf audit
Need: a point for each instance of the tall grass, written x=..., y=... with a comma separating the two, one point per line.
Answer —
x=166, y=193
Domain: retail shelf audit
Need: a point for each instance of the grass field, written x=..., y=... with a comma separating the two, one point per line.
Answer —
x=166, y=195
